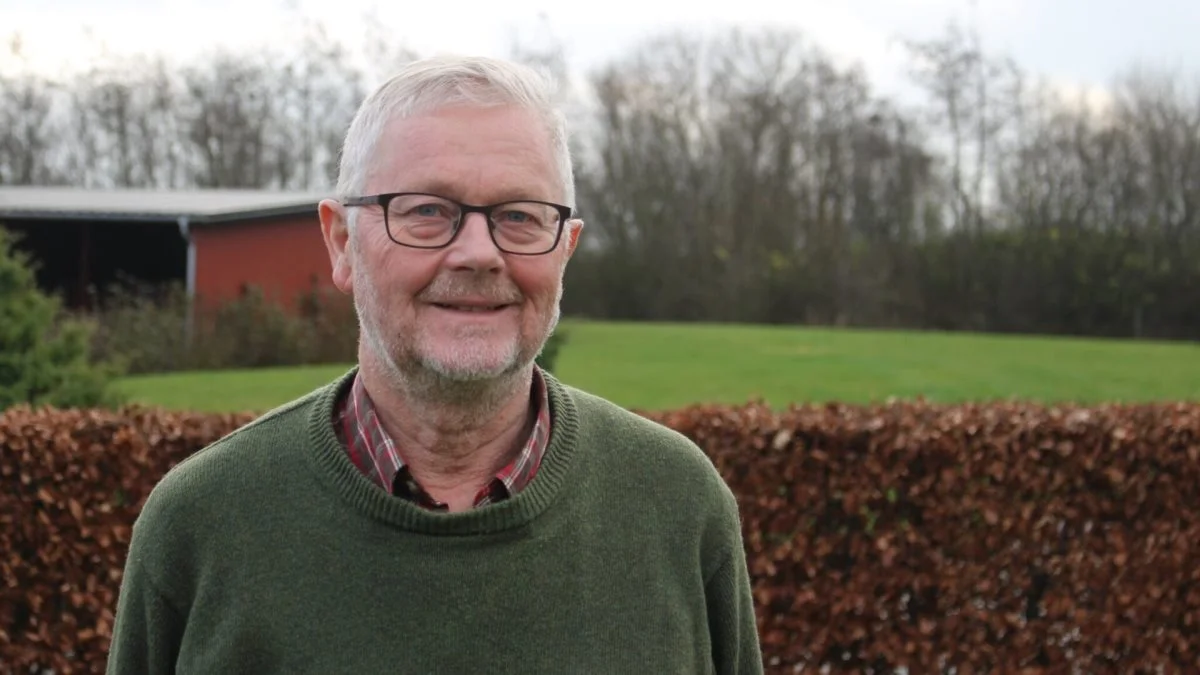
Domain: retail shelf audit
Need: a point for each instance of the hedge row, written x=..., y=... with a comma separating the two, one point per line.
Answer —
x=71, y=484
x=1009, y=538
x=965, y=539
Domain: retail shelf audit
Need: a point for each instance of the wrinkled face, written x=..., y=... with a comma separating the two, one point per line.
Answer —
x=469, y=311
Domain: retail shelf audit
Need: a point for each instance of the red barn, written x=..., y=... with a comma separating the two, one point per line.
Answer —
x=215, y=242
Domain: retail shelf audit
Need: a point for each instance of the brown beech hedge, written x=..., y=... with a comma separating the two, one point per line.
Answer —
x=896, y=538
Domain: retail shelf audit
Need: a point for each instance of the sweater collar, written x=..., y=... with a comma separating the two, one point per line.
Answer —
x=333, y=467
x=356, y=421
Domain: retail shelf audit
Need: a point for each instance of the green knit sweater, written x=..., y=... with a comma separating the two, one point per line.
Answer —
x=268, y=552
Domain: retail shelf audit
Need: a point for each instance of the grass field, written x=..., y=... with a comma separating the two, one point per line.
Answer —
x=658, y=366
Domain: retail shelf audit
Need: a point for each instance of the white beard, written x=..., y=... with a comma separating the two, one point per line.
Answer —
x=465, y=366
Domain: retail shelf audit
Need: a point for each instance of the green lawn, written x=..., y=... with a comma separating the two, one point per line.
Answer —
x=656, y=366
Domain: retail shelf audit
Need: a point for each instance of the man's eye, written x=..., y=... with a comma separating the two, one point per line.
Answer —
x=514, y=216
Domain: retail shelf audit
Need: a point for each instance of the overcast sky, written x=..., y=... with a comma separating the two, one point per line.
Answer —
x=1077, y=43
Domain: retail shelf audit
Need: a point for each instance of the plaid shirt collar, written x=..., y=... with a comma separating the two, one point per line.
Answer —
x=374, y=452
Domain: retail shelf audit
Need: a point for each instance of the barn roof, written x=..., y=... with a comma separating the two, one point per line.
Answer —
x=168, y=206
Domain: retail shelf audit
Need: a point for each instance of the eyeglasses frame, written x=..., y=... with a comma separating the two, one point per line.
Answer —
x=565, y=213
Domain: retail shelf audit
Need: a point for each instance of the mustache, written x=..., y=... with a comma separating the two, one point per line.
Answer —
x=450, y=287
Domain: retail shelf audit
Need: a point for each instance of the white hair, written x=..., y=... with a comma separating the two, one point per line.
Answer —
x=427, y=84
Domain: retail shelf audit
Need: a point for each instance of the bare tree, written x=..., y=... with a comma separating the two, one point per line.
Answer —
x=968, y=89
x=26, y=134
x=313, y=97
x=124, y=126
x=740, y=175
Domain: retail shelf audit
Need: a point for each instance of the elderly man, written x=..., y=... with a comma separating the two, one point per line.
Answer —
x=446, y=506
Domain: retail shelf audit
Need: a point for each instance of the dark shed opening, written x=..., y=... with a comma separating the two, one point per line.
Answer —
x=80, y=259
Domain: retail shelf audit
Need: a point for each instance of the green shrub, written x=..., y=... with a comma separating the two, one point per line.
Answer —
x=148, y=328
x=253, y=331
x=44, y=355
x=144, y=326
x=332, y=323
x=546, y=359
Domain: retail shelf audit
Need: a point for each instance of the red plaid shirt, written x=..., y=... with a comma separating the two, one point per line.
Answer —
x=374, y=452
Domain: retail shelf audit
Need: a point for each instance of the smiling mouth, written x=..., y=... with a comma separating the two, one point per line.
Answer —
x=470, y=308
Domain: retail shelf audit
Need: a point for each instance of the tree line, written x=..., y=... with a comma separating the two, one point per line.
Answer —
x=744, y=176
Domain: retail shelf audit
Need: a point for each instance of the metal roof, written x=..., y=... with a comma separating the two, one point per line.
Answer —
x=197, y=205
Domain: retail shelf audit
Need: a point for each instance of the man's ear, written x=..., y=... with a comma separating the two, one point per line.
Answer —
x=574, y=229
x=336, y=232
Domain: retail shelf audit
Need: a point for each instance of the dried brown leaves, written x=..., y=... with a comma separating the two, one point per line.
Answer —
x=1007, y=538
x=1003, y=538
x=71, y=485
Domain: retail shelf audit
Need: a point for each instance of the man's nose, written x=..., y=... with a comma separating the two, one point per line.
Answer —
x=473, y=247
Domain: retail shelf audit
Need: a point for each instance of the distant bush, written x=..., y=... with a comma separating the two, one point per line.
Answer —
x=251, y=332
x=547, y=359
x=44, y=356
x=144, y=326
x=148, y=328
x=332, y=325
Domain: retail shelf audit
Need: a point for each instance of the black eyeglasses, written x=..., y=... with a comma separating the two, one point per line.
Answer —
x=429, y=221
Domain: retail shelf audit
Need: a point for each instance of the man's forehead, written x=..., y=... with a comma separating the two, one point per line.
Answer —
x=422, y=154
x=508, y=119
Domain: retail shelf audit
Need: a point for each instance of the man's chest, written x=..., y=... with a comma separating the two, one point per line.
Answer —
x=509, y=606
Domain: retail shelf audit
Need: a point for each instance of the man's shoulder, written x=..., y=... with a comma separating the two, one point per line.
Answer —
x=630, y=439
x=595, y=410
x=253, y=440
x=652, y=468
x=240, y=462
